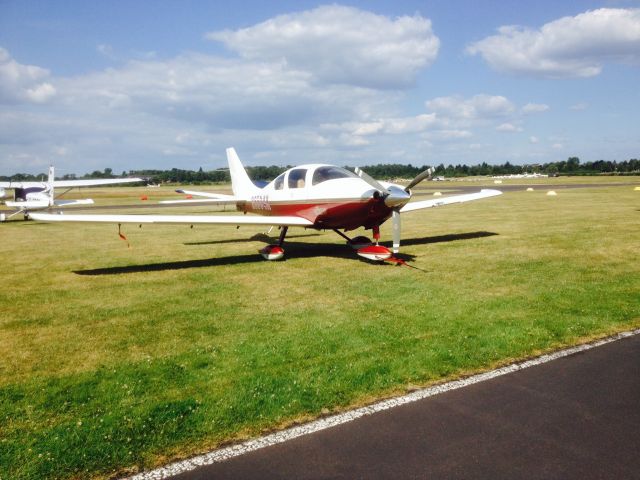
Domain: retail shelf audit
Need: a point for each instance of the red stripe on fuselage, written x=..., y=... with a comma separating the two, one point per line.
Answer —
x=349, y=215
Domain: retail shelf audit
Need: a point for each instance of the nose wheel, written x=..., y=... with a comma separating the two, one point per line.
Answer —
x=366, y=248
x=376, y=252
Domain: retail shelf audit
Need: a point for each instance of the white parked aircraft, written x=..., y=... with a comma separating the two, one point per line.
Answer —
x=30, y=196
x=318, y=196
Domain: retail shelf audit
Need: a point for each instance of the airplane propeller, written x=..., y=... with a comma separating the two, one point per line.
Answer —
x=394, y=198
x=427, y=174
x=372, y=181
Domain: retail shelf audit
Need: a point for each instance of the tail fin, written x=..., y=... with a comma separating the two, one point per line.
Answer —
x=49, y=190
x=241, y=184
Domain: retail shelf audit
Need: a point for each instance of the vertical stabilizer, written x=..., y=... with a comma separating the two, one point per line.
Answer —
x=241, y=184
x=49, y=189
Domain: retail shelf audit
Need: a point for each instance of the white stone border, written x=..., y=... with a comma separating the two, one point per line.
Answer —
x=328, y=422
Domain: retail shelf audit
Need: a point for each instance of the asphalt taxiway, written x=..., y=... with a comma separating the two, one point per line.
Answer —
x=576, y=417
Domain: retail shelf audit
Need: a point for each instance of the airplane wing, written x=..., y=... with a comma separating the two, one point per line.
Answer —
x=94, y=182
x=71, y=183
x=177, y=219
x=35, y=204
x=22, y=184
x=437, y=202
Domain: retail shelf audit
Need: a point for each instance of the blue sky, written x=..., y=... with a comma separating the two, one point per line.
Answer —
x=163, y=84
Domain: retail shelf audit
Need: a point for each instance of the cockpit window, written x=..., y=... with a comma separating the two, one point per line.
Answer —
x=322, y=174
x=278, y=184
x=296, y=178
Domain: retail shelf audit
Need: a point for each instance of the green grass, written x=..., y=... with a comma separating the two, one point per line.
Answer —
x=116, y=359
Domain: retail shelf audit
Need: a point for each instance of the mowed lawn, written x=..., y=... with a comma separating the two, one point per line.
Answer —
x=117, y=359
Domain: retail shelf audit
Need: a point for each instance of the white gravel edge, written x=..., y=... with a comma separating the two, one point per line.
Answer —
x=331, y=421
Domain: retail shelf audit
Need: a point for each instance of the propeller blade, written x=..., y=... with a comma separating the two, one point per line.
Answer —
x=395, y=227
x=372, y=181
x=420, y=177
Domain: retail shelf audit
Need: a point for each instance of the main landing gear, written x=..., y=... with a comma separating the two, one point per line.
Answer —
x=363, y=246
x=275, y=252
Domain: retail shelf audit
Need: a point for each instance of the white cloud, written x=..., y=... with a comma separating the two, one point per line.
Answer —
x=568, y=47
x=369, y=128
x=390, y=126
x=23, y=83
x=535, y=108
x=508, y=127
x=218, y=93
x=533, y=140
x=478, y=106
x=449, y=134
x=339, y=44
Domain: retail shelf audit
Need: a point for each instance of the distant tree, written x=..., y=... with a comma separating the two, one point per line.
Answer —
x=572, y=165
x=382, y=171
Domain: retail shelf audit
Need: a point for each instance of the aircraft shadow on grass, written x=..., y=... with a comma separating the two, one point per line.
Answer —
x=295, y=249
x=258, y=237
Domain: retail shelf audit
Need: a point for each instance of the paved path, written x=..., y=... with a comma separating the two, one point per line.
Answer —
x=577, y=417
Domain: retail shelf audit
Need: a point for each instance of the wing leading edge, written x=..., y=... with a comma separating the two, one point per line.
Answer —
x=71, y=183
x=438, y=202
x=281, y=221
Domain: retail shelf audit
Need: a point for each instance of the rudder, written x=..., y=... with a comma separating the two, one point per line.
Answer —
x=241, y=184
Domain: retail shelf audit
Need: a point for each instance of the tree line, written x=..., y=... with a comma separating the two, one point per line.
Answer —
x=571, y=166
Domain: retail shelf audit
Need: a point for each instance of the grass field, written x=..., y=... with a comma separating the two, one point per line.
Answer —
x=116, y=359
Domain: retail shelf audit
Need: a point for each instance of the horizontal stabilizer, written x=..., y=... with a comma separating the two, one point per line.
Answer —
x=215, y=201
x=218, y=196
x=27, y=204
x=208, y=197
x=66, y=203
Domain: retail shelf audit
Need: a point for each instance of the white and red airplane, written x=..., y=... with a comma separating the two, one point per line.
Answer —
x=29, y=196
x=318, y=196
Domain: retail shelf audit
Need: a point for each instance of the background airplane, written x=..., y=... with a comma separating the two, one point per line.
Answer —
x=318, y=196
x=30, y=196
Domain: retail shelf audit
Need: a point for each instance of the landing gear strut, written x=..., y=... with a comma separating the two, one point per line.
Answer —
x=357, y=242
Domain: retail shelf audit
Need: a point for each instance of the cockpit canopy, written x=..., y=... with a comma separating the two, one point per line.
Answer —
x=297, y=177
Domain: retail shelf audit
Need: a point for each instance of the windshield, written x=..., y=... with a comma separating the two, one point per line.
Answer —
x=322, y=174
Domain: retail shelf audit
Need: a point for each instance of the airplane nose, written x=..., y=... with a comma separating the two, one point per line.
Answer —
x=397, y=197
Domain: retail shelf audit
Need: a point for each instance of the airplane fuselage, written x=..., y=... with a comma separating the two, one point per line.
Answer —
x=30, y=198
x=330, y=197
